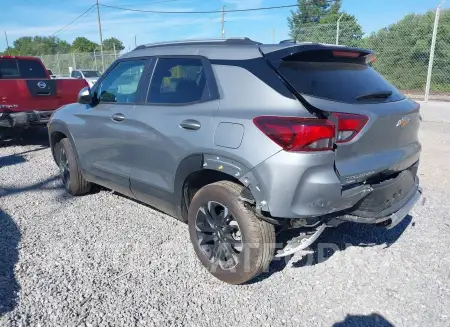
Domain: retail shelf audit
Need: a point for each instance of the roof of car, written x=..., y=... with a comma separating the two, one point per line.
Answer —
x=237, y=48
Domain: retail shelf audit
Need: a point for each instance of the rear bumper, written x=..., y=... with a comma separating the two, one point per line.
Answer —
x=394, y=218
x=306, y=186
x=17, y=119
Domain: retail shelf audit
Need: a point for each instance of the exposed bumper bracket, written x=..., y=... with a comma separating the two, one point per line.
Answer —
x=300, y=242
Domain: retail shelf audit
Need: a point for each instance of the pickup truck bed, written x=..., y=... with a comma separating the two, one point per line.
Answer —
x=27, y=93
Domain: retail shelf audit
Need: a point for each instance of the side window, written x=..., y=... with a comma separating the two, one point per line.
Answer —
x=73, y=74
x=121, y=83
x=178, y=81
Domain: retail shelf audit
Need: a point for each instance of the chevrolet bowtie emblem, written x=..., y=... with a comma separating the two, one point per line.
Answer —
x=403, y=122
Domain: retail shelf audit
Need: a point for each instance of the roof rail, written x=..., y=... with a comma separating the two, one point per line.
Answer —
x=224, y=41
x=287, y=41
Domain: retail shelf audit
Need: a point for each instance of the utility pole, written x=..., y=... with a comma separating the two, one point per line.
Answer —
x=7, y=43
x=101, y=37
x=433, y=47
x=273, y=35
x=223, y=21
x=135, y=43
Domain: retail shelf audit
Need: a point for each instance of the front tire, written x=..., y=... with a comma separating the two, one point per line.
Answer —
x=70, y=172
x=229, y=240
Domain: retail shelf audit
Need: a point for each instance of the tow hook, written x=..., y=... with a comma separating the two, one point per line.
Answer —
x=301, y=242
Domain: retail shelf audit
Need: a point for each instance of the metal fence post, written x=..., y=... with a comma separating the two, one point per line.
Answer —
x=74, y=61
x=337, y=28
x=57, y=62
x=95, y=60
x=433, y=47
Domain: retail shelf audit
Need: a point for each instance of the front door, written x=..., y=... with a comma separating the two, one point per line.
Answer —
x=101, y=134
x=174, y=121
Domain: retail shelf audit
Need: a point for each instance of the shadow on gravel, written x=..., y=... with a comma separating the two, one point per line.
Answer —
x=9, y=255
x=336, y=239
x=19, y=137
x=351, y=234
x=361, y=321
x=17, y=158
x=41, y=186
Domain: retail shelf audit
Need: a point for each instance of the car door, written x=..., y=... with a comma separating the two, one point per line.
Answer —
x=102, y=138
x=174, y=121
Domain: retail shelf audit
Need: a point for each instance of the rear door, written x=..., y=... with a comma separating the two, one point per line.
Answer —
x=378, y=126
x=173, y=122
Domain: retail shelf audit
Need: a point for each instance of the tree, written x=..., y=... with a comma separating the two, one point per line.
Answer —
x=38, y=45
x=113, y=43
x=316, y=21
x=307, y=14
x=82, y=44
x=403, y=51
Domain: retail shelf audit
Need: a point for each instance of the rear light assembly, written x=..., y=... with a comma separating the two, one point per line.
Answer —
x=349, y=125
x=298, y=134
x=310, y=134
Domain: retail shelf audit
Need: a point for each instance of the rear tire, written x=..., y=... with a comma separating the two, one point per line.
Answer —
x=252, y=240
x=71, y=175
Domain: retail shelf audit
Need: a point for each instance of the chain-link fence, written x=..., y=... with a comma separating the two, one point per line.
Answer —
x=403, y=51
x=60, y=64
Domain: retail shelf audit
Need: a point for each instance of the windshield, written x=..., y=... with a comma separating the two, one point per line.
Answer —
x=91, y=73
x=338, y=81
x=21, y=68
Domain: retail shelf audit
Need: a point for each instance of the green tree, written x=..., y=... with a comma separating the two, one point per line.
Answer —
x=308, y=13
x=82, y=44
x=38, y=45
x=113, y=43
x=316, y=21
x=403, y=51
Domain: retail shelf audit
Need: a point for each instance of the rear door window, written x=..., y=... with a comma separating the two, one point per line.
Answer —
x=337, y=81
x=178, y=81
x=17, y=68
x=9, y=68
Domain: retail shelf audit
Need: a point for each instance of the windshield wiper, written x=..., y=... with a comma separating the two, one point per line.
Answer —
x=375, y=95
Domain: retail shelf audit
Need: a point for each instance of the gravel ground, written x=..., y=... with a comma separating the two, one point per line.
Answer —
x=104, y=260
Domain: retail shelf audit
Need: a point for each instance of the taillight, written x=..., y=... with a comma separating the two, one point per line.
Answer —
x=349, y=125
x=298, y=134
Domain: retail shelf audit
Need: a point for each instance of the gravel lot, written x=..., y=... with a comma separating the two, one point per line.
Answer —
x=104, y=260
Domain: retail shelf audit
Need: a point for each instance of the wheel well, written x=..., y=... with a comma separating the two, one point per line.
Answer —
x=198, y=179
x=55, y=138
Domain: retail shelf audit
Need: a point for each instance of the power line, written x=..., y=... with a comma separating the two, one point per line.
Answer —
x=197, y=12
x=84, y=13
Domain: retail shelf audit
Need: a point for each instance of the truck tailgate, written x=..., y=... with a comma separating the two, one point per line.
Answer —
x=18, y=95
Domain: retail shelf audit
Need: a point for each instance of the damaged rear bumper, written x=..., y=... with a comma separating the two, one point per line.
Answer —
x=392, y=219
x=18, y=119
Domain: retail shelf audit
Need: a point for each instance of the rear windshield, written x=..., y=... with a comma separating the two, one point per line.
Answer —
x=338, y=81
x=19, y=68
x=91, y=73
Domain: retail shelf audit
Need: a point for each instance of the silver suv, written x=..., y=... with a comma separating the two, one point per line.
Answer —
x=242, y=140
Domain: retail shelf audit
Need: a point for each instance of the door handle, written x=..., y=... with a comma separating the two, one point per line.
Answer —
x=118, y=117
x=190, y=124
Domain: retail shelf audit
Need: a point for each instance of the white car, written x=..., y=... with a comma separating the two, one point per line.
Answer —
x=90, y=75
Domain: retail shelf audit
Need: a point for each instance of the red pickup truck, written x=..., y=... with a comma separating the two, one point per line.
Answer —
x=28, y=95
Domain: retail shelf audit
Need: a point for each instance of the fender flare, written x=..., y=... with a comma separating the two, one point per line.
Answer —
x=61, y=127
x=253, y=193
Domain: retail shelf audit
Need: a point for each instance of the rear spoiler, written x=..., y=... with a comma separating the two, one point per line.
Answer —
x=276, y=54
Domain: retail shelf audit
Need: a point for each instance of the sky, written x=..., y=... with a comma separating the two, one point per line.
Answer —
x=45, y=17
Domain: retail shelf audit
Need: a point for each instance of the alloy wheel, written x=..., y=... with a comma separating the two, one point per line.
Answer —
x=218, y=235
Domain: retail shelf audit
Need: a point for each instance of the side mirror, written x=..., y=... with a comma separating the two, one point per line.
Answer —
x=85, y=96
